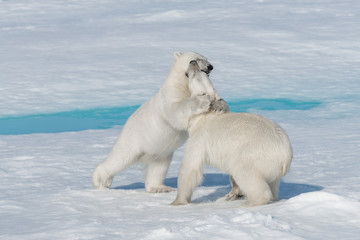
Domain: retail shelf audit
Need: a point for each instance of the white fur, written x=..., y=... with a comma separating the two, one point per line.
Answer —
x=157, y=128
x=253, y=150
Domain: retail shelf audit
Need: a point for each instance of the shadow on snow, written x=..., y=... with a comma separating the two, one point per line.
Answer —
x=286, y=190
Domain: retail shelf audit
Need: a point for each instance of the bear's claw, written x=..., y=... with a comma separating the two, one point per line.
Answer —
x=160, y=189
x=219, y=106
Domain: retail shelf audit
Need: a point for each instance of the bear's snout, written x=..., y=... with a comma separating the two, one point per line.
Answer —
x=208, y=69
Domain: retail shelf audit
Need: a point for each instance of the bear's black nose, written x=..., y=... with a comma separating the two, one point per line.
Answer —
x=210, y=67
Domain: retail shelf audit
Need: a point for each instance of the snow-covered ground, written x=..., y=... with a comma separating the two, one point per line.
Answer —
x=58, y=56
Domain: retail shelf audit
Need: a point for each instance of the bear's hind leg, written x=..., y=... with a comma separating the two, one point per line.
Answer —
x=156, y=169
x=274, y=186
x=101, y=178
x=255, y=188
x=235, y=192
x=118, y=160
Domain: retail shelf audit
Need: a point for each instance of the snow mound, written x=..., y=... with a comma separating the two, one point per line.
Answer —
x=316, y=203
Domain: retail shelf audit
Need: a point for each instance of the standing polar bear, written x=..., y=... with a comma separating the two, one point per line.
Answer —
x=158, y=127
x=253, y=150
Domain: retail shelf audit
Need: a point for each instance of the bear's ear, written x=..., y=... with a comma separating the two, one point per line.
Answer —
x=177, y=55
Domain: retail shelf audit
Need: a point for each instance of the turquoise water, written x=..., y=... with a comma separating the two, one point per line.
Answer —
x=103, y=118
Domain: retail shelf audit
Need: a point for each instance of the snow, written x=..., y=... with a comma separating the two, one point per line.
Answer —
x=61, y=56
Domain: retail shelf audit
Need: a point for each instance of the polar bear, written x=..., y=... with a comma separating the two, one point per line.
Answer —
x=253, y=150
x=158, y=127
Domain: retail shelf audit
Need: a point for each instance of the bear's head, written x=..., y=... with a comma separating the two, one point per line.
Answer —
x=199, y=82
x=182, y=61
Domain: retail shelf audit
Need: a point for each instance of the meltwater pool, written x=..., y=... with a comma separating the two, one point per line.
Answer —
x=103, y=118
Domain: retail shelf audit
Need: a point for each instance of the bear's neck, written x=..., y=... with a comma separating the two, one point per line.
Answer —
x=177, y=83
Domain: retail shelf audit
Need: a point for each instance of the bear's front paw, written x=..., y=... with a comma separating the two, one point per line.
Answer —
x=219, y=106
x=179, y=202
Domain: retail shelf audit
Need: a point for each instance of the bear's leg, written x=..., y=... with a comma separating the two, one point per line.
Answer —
x=190, y=174
x=255, y=188
x=235, y=192
x=156, y=169
x=118, y=160
x=274, y=186
x=101, y=178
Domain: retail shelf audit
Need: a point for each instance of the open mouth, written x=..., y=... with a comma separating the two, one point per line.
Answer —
x=206, y=71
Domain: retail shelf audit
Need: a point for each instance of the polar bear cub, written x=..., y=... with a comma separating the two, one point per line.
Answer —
x=253, y=150
x=158, y=127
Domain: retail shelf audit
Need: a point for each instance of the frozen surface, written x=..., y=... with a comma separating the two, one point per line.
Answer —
x=61, y=56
